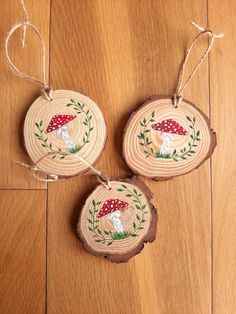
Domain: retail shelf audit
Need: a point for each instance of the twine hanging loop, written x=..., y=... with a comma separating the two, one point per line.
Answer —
x=178, y=95
x=46, y=90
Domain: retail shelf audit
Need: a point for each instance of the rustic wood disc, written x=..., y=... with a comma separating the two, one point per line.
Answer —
x=116, y=223
x=161, y=141
x=56, y=131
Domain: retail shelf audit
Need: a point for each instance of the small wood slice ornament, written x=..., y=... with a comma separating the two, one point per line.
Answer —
x=57, y=130
x=169, y=136
x=162, y=141
x=115, y=223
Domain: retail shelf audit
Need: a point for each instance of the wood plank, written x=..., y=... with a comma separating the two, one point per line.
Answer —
x=119, y=53
x=18, y=94
x=223, y=113
x=22, y=252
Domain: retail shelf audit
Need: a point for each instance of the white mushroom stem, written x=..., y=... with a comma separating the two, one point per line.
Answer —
x=166, y=143
x=62, y=131
x=115, y=218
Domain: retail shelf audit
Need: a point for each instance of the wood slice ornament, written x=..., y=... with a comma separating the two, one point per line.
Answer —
x=57, y=130
x=116, y=222
x=64, y=131
x=170, y=136
x=161, y=141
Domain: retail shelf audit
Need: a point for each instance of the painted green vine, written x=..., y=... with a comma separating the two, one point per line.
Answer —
x=184, y=153
x=107, y=237
x=80, y=108
x=45, y=143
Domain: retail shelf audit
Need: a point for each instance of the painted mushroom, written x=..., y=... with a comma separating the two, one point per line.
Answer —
x=112, y=208
x=59, y=123
x=169, y=127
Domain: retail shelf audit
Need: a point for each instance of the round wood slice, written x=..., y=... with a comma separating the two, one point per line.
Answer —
x=161, y=141
x=56, y=131
x=116, y=223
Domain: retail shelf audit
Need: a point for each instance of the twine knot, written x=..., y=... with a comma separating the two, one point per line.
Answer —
x=47, y=93
x=103, y=179
x=177, y=100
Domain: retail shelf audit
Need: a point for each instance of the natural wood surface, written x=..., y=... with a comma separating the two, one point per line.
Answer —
x=116, y=222
x=162, y=141
x=120, y=52
x=222, y=86
x=22, y=247
x=17, y=94
x=58, y=130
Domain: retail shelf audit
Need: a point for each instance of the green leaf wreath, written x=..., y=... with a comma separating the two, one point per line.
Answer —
x=184, y=153
x=107, y=237
x=57, y=151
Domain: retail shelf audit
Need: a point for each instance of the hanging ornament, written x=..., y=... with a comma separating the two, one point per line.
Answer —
x=170, y=136
x=60, y=124
x=64, y=134
x=116, y=222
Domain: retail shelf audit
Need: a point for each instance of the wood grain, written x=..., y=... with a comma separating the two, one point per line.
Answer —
x=133, y=61
x=18, y=94
x=56, y=146
x=161, y=142
x=23, y=248
x=100, y=232
x=222, y=86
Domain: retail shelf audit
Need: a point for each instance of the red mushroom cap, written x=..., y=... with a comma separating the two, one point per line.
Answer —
x=111, y=206
x=169, y=126
x=58, y=121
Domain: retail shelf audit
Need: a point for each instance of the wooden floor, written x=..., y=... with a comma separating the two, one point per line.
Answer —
x=119, y=52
